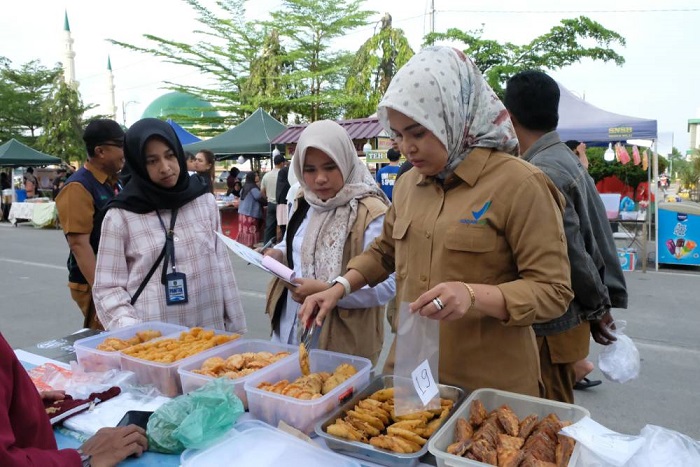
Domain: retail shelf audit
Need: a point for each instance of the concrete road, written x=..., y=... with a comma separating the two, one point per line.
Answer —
x=663, y=319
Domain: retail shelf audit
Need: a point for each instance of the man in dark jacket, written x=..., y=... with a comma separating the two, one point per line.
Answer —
x=532, y=99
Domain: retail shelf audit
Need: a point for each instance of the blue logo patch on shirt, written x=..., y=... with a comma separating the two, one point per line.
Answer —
x=477, y=215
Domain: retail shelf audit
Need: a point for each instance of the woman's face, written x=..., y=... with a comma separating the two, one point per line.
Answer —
x=201, y=164
x=161, y=163
x=321, y=174
x=419, y=145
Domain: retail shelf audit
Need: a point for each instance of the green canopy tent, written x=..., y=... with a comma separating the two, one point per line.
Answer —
x=251, y=137
x=15, y=154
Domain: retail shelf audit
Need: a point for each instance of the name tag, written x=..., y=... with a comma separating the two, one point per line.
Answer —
x=175, y=288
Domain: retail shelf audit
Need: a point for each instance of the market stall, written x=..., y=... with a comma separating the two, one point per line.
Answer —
x=39, y=211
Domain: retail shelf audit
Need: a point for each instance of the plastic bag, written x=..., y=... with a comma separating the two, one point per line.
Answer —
x=194, y=420
x=665, y=447
x=619, y=361
x=417, y=343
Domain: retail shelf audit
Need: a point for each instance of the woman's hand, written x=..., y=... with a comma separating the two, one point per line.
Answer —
x=53, y=395
x=454, y=297
x=306, y=287
x=320, y=304
x=110, y=446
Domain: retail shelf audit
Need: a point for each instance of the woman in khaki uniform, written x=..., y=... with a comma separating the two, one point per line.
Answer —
x=339, y=210
x=475, y=235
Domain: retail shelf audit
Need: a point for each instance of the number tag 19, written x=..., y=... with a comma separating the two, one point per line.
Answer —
x=423, y=383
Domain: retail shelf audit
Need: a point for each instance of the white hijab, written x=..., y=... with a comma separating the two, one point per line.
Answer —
x=444, y=91
x=333, y=219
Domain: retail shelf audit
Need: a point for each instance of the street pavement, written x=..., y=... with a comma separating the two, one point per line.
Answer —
x=663, y=319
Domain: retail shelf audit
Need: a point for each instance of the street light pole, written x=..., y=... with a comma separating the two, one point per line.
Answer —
x=124, y=106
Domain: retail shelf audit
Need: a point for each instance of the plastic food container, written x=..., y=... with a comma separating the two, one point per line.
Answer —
x=492, y=399
x=367, y=451
x=92, y=359
x=263, y=446
x=191, y=381
x=161, y=375
x=303, y=414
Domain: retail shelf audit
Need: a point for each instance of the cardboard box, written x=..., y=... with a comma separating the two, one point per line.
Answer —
x=628, y=258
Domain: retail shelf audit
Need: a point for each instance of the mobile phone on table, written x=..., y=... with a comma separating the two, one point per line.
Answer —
x=136, y=417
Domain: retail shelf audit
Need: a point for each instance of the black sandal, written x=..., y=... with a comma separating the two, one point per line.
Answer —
x=586, y=383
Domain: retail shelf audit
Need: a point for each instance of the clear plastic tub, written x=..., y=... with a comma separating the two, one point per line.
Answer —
x=303, y=414
x=92, y=359
x=161, y=375
x=492, y=399
x=263, y=446
x=191, y=381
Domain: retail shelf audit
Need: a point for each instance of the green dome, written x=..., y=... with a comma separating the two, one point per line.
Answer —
x=179, y=106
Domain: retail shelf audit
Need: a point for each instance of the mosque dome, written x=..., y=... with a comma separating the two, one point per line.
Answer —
x=180, y=107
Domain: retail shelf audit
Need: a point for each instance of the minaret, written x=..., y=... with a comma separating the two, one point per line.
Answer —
x=111, y=105
x=69, y=62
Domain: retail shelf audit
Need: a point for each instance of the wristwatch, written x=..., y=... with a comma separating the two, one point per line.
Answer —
x=344, y=282
x=86, y=459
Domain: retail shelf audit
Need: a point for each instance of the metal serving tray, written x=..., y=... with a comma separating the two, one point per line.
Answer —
x=367, y=451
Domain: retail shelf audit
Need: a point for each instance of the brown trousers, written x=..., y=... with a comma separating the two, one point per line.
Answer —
x=558, y=354
x=82, y=296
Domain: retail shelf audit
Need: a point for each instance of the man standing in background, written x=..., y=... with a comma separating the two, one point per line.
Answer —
x=386, y=176
x=268, y=188
x=80, y=203
x=532, y=100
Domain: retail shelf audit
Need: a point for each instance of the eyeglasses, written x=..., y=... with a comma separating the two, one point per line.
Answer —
x=116, y=145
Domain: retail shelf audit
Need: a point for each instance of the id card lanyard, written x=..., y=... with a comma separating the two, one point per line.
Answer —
x=175, y=282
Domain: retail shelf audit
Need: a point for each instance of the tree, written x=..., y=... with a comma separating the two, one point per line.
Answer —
x=22, y=94
x=560, y=47
x=630, y=174
x=318, y=74
x=225, y=54
x=62, y=123
x=374, y=65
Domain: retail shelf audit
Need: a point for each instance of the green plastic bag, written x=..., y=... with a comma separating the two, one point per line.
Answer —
x=194, y=420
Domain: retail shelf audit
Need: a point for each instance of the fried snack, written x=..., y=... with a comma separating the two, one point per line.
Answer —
x=530, y=461
x=304, y=360
x=238, y=365
x=412, y=425
x=383, y=395
x=366, y=428
x=343, y=372
x=483, y=452
x=459, y=448
x=343, y=429
x=173, y=349
x=477, y=413
x=541, y=447
x=508, y=450
x=306, y=387
x=395, y=444
x=508, y=420
x=114, y=344
x=406, y=434
x=527, y=425
x=463, y=430
x=564, y=449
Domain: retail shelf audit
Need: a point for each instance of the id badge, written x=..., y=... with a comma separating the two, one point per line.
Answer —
x=175, y=288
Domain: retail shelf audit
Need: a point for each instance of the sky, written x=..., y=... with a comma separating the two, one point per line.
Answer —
x=658, y=81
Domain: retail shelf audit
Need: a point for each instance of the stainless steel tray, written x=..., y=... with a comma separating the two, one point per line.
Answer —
x=367, y=451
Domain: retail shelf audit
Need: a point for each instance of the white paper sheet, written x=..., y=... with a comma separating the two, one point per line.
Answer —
x=266, y=263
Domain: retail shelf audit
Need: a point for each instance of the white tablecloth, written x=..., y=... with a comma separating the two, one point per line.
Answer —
x=39, y=214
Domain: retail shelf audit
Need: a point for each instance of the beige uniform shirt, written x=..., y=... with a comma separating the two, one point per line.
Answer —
x=498, y=221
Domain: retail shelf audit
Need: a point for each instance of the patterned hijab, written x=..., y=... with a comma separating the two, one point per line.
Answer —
x=330, y=224
x=444, y=91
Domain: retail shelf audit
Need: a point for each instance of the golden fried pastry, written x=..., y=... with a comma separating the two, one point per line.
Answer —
x=477, y=413
x=483, y=452
x=366, y=417
x=383, y=395
x=114, y=344
x=394, y=443
x=304, y=360
x=541, y=447
x=459, y=448
x=173, y=349
x=530, y=461
x=345, y=430
x=564, y=449
x=363, y=426
x=411, y=425
x=406, y=434
x=463, y=430
x=342, y=373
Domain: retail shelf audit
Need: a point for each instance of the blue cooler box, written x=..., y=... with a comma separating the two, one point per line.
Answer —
x=679, y=233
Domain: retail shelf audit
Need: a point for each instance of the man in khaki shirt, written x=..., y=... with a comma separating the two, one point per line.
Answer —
x=80, y=205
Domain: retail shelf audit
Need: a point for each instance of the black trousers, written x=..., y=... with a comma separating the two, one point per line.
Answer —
x=270, y=223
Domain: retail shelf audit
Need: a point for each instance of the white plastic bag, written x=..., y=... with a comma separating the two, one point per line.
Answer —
x=619, y=361
x=665, y=447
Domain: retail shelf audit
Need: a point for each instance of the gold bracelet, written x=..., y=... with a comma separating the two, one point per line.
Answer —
x=472, y=295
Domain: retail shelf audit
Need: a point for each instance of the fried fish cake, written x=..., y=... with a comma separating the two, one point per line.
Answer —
x=304, y=360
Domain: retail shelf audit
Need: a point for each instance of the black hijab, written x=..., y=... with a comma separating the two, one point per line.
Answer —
x=141, y=195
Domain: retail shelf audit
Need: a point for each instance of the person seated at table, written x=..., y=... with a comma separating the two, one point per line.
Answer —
x=26, y=436
x=159, y=258
x=340, y=213
x=231, y=181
